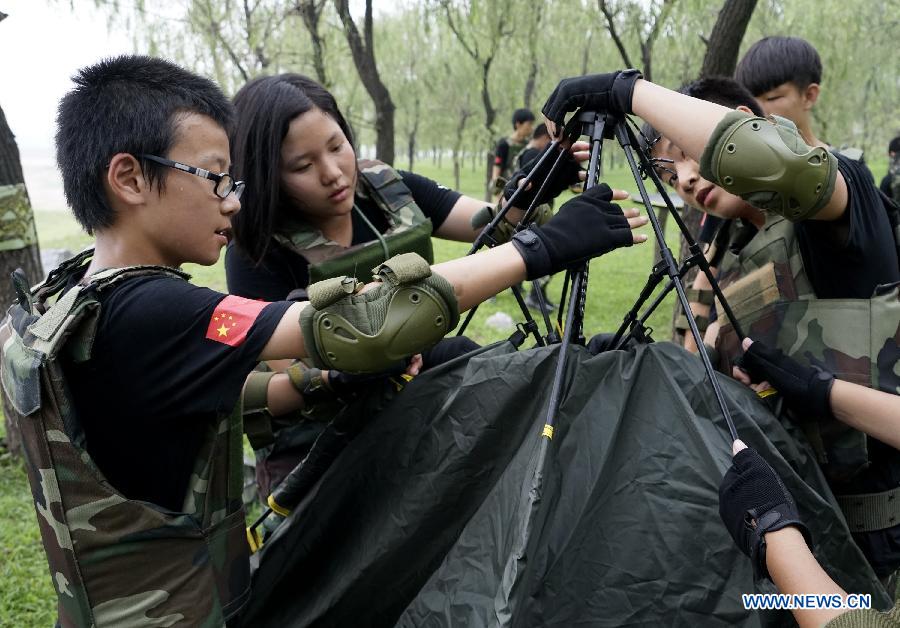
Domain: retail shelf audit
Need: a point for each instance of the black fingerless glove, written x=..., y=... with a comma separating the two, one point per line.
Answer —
x=586, y=226
x=753, y=501
x=565, y=176
x=603, y=93
x=806, y=389
x=347, y=385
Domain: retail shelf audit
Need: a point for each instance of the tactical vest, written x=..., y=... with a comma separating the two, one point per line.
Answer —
x=856, y=339
x=116, y=561
x=894, y=174
x=409, y=229
x=515, y=147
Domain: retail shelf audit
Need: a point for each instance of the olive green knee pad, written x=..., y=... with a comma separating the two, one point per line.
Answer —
x=410, y=311
x=769, y=165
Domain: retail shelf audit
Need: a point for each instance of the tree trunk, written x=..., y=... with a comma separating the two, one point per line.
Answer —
x=647, y=60
x=490, y=114
x=720, y=60
x=533, y=34
x=364, y=59
x=725, y=38
x=27, y=257
x=529, y=84
x=586, y=51
x=413, y=132
x=457, y=145
x=311, y=12
x=489, y=170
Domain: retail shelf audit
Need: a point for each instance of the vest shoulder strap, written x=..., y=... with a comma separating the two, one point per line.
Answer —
x=850, y=152
x=55, y=320
x=385, y=185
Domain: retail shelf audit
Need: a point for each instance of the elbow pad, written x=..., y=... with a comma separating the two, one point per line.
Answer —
x=769, y=165
x=371, y=332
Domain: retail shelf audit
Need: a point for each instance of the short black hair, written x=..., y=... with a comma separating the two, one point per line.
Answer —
x=522, y=115
x=265, y=108
x=127, y=104
x=775, y=60
x=540, y=131
x=718, y=89
x=894, y=146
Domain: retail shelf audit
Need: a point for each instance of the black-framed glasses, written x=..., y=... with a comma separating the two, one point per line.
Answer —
x=225, y=183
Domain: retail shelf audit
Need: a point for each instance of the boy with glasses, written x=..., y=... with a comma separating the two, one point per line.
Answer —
x=129, y=384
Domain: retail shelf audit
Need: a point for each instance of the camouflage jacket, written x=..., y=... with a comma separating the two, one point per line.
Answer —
x=856, y=339
x=409, y=229
x=115, y=561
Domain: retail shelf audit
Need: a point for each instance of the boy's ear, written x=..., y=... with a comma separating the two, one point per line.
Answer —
x=811, y=93
x=745, y=109
x=125, y=179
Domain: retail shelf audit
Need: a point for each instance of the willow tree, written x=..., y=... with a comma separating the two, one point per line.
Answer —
x=18, y=241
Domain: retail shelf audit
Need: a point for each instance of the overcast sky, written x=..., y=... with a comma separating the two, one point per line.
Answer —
x=42, y=44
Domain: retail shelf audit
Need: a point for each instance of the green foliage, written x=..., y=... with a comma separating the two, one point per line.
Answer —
x=433, y=80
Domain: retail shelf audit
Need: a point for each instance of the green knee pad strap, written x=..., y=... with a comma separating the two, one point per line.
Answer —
x=410, y=311
x=769, y=165
x=505, y=229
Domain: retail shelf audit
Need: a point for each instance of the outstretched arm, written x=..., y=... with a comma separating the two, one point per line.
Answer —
x=874, y=412
x=760, y=514
x=782, y=174
x=811, y=391
x=587, y=226
x=690, y=123
x=795, y=570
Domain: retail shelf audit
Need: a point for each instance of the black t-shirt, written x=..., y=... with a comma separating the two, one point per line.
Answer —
x=156, y=381
x=501, y=154
x=849, y=257
x=526, y=156
x=282, y=271
x=885, y=185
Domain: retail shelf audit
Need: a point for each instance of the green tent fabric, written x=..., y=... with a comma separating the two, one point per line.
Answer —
x=447, y=511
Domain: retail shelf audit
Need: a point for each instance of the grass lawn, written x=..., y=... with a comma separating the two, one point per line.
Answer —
x=26, y=594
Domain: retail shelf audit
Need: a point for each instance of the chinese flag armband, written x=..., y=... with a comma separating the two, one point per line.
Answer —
x=232, y=318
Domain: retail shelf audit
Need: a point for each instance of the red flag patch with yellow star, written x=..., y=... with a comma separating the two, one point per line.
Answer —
x=232, y=319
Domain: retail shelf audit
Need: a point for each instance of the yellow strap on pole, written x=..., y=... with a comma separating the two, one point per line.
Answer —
x=276, y=508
